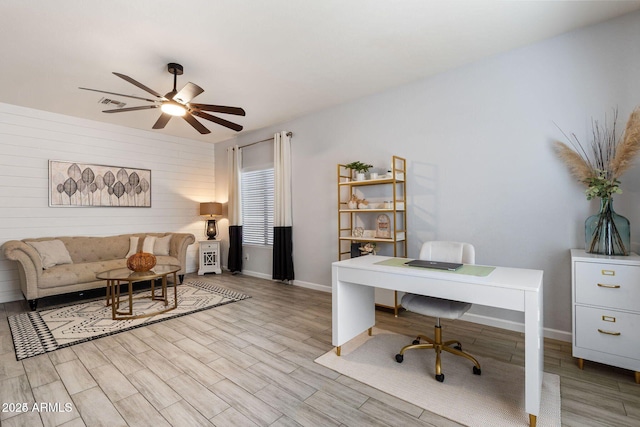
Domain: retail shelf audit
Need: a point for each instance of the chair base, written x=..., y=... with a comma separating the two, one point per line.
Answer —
x=439, y=347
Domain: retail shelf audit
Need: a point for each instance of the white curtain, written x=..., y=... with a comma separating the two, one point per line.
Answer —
x=234, y=163
x=282, y=215
x=282, y=173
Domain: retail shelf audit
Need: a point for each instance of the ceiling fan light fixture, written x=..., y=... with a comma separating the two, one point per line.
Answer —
x=173, y=108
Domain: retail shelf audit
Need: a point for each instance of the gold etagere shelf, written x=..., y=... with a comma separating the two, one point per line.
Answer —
x=392, y=185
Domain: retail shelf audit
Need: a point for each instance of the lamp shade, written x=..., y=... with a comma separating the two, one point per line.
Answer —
x=211, y=208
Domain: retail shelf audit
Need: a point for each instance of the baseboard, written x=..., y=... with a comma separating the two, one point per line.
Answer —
x=313, y=286
x=256, y=274
x=515, y=326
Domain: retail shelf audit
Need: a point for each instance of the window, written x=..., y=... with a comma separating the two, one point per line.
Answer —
x=257, y=207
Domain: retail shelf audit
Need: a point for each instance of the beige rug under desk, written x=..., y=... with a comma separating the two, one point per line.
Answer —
x=495, y=398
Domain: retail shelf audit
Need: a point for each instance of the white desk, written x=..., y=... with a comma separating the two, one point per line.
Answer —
x=353, y=307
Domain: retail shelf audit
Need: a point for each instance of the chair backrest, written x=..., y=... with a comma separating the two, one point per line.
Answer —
x=448, y=252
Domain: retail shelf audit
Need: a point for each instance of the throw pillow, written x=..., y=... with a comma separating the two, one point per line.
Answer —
x=147, y=245
x=133, y=246
x=52, y=252
x=161, y=247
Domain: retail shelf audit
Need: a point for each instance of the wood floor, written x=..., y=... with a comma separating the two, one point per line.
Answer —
x=251, y=363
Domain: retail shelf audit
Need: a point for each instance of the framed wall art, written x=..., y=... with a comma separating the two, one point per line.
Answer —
x=88, y=185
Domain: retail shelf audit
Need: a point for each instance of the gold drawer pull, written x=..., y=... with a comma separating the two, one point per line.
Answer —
x=608, y=332
x=602, y=285
x=608, y=319
x=608, y=272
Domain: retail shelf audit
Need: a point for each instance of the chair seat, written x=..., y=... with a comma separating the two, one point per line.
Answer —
x=434, y=307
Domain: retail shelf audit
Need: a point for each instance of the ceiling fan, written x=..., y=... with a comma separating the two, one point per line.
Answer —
x=178, y=103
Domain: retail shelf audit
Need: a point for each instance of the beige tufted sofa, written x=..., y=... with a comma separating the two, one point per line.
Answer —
x=89, y=255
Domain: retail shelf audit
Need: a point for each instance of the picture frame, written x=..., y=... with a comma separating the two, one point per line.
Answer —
x=74, y=184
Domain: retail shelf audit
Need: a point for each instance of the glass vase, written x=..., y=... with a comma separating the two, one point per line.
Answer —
x=607, y=233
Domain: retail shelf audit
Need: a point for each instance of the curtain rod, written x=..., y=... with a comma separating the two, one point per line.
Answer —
x=263, y=140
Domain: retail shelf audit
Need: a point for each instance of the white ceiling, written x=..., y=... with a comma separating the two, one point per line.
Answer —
x=278, y=59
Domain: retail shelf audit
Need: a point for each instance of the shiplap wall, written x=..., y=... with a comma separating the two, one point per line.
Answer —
x=182, y=176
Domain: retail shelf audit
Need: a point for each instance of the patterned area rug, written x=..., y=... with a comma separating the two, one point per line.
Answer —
x=39, y=332
x=495, y=398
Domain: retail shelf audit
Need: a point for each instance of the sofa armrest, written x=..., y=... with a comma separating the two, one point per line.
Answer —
x=29, y=265
x=178, y=248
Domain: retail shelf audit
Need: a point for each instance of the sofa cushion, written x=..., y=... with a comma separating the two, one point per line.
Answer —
x=93, y=249
x=133, y=246
x=72, y=274
x=147, y=245
x=162, y=244
x=52, y=252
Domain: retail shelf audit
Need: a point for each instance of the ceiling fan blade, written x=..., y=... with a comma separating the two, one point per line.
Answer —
x=187, y=93
x=196, y=124
x=140, y=85
x=219, y=109
x=119, y=94
x=218, y=120
x=162, y=121
x=123, y=110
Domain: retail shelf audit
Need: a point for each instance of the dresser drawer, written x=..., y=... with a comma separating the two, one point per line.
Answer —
x=607, y=331
x=608, y=285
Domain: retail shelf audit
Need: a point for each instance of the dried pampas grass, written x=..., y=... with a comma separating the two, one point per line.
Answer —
x=577, y=165
x=606, y=155
x=629, y=148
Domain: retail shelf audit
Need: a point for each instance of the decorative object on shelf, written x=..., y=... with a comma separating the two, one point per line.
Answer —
x=368, y=248
x=211, y=210
x=373, y=175
x=363, y=204
x=359, y=168
x=383, y=228
x=353, y=202
x=141, y=261
x=599, y=167
x=369, y=234
x=91, y=185
x=358, y=232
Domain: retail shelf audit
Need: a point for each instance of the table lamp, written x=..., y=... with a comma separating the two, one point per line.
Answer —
x=211, y=210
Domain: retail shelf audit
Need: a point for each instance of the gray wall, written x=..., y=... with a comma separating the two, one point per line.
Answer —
x=478, y=141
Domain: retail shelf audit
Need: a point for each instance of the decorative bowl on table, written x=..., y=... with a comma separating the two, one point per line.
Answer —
x=141, y=261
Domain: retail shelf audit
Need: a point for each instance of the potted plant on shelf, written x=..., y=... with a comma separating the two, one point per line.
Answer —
x=359, y=168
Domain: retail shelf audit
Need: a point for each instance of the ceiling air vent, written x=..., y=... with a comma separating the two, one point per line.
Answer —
x=107, y=101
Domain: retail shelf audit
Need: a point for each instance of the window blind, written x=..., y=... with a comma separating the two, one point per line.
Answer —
x=257, y=207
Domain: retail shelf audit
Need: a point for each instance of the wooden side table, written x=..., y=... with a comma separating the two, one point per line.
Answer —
x=209, y=257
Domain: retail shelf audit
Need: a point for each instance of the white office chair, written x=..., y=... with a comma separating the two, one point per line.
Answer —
x=440, y=308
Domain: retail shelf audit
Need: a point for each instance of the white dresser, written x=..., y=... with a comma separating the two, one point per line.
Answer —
x=209, y=257
x=606, y=309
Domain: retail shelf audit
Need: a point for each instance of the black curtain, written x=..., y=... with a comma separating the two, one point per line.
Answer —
x=282, y=253
x=234, y=263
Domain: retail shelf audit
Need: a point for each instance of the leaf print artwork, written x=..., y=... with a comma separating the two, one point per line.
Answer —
x=79, y=184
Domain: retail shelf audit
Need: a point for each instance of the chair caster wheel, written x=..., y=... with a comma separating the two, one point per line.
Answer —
x=458, y=347
x=415, y=342
x=440, y=378
x=399, y=358
x=477, y=371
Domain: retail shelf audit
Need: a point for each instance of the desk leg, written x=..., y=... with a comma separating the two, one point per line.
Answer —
x=534, y=353
x=352, y=311
x=338, y=348
x=532, y=420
